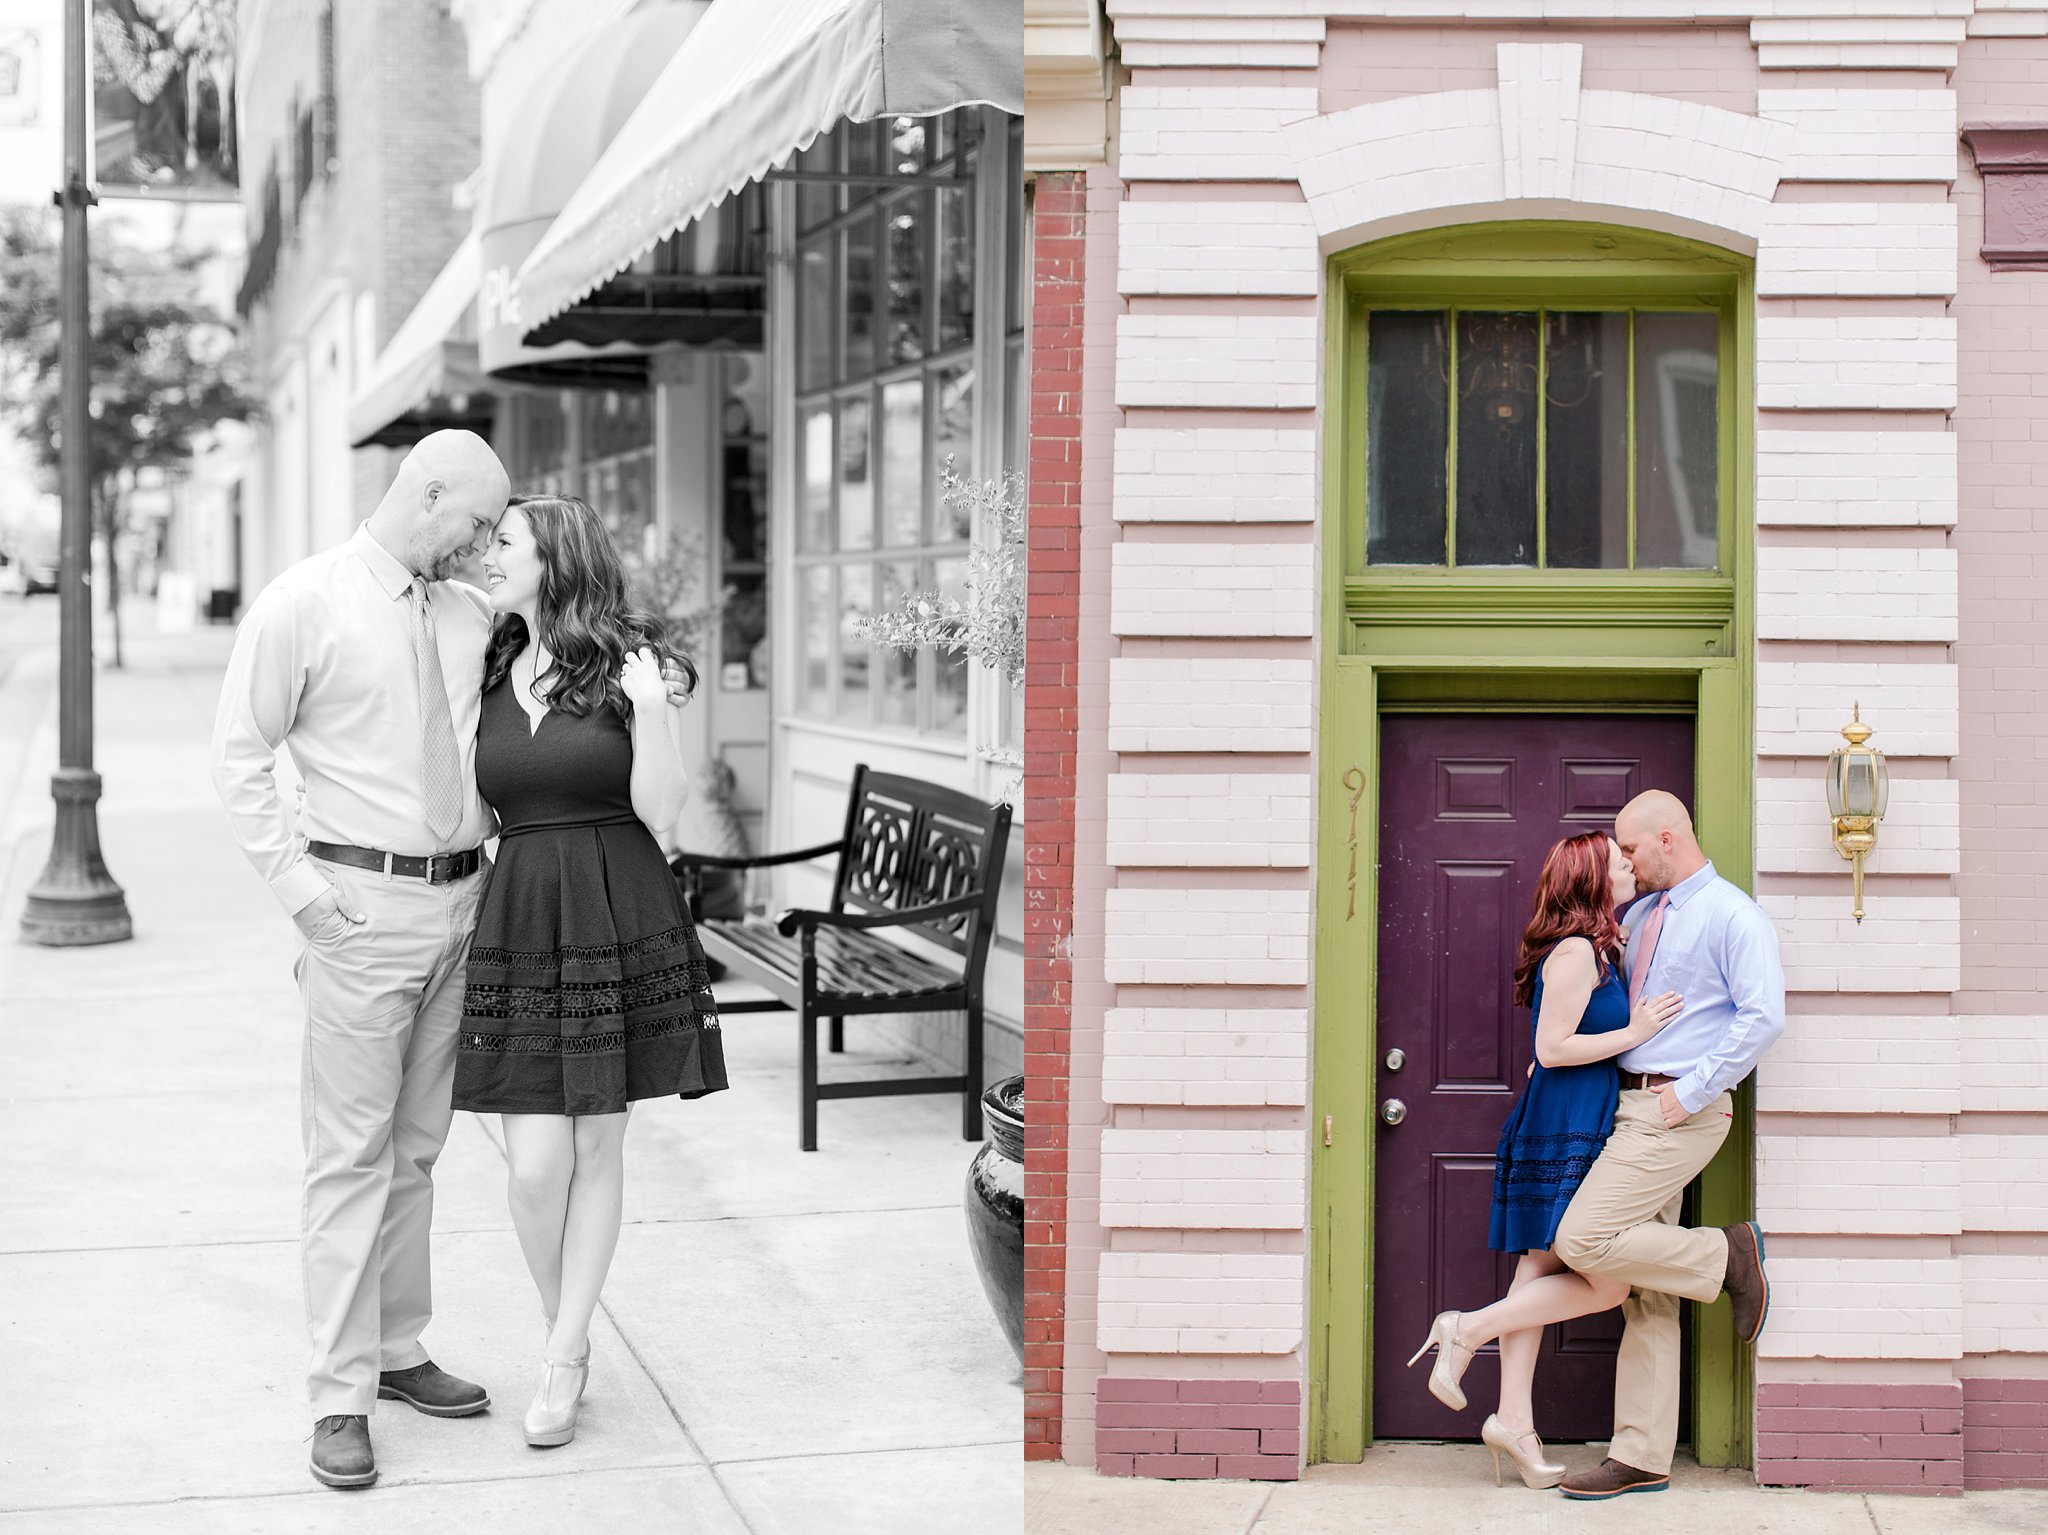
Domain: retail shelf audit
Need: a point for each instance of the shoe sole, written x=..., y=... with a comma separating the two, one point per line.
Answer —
x=1756, y=1233
x=1661, y=1485
x=432, y=1410
x=338, y=1479
x=550, y=1441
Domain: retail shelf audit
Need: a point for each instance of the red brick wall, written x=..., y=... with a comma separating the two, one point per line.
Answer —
x=1857, y=1437
x=1198, y=1428
x=1052, y=639
x=2005, y=1433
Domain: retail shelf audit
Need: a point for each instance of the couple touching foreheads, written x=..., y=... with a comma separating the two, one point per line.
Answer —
x=425, y=716
x=1655, y=987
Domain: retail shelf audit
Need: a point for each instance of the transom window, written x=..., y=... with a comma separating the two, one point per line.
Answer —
x=1581, y=438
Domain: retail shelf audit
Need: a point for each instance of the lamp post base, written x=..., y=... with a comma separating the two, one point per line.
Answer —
x=76, y=902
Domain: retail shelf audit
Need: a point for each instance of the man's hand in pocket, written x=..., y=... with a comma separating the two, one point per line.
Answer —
x=322, y=917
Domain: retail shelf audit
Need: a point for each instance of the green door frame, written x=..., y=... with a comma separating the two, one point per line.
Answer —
x=1465, y=640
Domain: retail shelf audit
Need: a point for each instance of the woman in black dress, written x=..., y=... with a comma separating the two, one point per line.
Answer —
x=586, y=986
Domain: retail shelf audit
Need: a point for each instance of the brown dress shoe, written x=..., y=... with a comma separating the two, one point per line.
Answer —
x=341, y=1451
x=1745, y=1283
x=1610, y=1479
x=432, y=1390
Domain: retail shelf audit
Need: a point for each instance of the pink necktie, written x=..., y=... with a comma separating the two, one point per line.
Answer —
x=1646, y=945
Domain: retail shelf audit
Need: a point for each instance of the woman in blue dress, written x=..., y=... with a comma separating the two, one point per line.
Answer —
x=1570, y=977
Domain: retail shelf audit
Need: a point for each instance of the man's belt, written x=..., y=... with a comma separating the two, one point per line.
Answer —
x=435, y=868
x=1645, y=1079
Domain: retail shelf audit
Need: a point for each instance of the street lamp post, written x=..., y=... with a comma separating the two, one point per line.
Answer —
x=76, y=901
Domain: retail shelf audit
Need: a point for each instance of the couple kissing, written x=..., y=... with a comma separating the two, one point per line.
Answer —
x=1655, y=986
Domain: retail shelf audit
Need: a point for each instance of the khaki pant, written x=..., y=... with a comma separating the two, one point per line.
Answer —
x=383, y=1007
x=1622, y=1225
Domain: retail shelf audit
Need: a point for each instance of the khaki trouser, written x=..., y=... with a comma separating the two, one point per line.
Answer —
x=1622, y=1224
x=383, y=1008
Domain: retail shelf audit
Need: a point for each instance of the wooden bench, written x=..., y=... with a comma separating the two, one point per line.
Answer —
x=916, y=859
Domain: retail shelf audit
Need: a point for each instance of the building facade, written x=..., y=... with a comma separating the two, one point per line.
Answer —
x=1450, y=420
x=357, y=123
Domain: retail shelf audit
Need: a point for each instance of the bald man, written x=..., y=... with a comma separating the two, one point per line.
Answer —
x=367, y=661
x=1690, y=932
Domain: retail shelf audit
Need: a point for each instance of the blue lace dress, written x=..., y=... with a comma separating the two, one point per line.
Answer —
x=1555, y=1129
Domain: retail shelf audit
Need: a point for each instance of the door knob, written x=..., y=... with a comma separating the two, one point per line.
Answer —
x=1393, y=1111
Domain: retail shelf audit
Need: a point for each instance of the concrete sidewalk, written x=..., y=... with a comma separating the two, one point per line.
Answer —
x=789, y=1343
x=1422, y=1489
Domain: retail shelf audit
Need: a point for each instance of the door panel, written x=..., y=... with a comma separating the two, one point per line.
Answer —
x=1469, y=804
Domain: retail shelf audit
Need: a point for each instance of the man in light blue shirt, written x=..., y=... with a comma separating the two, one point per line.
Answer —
x=1695, y=934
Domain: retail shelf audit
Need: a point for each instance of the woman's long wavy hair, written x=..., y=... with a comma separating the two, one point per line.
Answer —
x=587, y=625
x=1574, y=899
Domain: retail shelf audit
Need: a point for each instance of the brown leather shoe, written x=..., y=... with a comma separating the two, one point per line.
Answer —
x=341, y=1451
x=1745, y=1283
x=1610, y=1479
x=432, y=1390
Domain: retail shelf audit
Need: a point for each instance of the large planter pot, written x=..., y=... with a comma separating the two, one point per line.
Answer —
x=994, y=1198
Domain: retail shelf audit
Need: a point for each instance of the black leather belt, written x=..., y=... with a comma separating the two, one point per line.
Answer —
x=435, y=868
x=1645, y=1079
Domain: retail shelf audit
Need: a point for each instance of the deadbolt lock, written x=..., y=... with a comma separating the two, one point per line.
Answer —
x=1396, y=1059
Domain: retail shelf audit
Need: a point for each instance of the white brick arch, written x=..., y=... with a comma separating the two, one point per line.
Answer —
x=1537, y=146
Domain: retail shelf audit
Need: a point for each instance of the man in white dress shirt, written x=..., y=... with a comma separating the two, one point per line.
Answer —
x=368, y=662
x=1693, y=933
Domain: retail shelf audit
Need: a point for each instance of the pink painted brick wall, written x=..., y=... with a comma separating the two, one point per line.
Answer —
x=2001, y=423
x=1860, y=1437
x=2005, y=1434
x=1198, y=1428
x=1714, y=66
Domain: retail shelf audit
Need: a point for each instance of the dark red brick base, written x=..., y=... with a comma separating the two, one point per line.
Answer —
x=1857, y=1437
x=1198, y=1428
x=2005, y=1434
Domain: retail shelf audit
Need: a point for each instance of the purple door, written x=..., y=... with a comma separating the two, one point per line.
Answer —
x=1469, y=804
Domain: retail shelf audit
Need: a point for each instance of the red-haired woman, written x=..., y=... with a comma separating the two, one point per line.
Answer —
x=1570, y=978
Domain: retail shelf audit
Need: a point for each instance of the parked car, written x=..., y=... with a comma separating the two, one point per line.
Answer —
x=37, y=576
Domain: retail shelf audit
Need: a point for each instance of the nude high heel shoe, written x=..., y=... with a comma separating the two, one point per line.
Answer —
x=1502, y=1440
x=548, y=1420
x=1452, y=1357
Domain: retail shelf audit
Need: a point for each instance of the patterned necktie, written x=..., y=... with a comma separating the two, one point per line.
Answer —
x=1646, y=945
x=440, y=768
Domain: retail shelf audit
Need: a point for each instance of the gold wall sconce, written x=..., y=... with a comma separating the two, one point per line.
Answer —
x=1858, y=787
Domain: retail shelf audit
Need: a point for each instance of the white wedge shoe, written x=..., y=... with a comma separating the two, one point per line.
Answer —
x=551, y=1420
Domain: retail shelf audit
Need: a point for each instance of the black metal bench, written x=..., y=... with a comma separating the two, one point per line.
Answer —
x=916, y=858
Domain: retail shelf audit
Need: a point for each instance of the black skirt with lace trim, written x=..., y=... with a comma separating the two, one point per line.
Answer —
x=586, y=987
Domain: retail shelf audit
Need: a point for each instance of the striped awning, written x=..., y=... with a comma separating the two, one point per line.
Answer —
x=754, y=82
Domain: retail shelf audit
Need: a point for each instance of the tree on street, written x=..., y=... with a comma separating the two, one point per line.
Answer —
x=167, y=364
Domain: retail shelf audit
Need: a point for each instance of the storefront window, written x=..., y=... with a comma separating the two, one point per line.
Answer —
x=856, y=475
x=903, y=463
x=743, y=551
x=909, y=261
x=898, y=701
x=814, y=512
x=953, y=442
x=856, y=602
x=617, y=452
x=891, y=326
x=949, y=691
x=814, y=676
